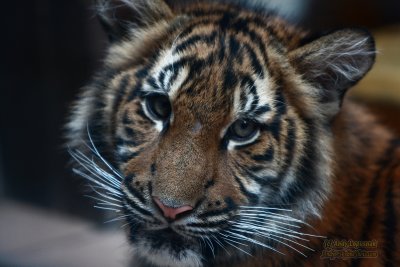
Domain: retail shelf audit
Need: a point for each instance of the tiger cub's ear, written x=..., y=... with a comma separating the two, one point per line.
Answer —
x=118, y=17
x=333, y=63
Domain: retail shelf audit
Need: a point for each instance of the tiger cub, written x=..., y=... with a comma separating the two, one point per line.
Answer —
x=221, y=134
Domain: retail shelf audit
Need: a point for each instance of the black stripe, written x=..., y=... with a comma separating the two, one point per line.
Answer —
x=120, y=142
x=123, y=85
x=230, y=203
x=190, y=28
x=126, y=120
x=242, y=26
x=121, y=91
x=140, y=75
x=133, y=217
x=306, y=174
x=208, y=224
x=135, y=91
x=247, y=81
x=225, y=21
x=137, y=208
x=209, y=184
x=255, y=63
x=261, y=110
x=136, y=194
x=252, y=198
x=274, y=127
x=175, y=68
x=263, y=181
x=234, y=47
x=124, y=158
x=290, y=143
x=173, y=78
x=153, y=169
x=153, y=83
x=214, y=12
x=222, y=49
x=130, y=132
x=267, y=156
x=230, y=80
x=150, y=186
x=280, y=102
x=192, y=41
x=161, y=79
x=197, y=65
x=206, y=214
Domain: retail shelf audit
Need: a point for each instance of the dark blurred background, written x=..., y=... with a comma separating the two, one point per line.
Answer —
x=51, y=48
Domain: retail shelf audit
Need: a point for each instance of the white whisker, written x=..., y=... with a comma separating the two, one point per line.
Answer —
x=119, y=218
x=242, y=237
x=209, y=242
x=281, y=230
x=232, y=243
x=106, y=196
x=262, y=208
x=96, y=181
x=98, y=154
x=88, y=165
x=106, y=208
x=261, y=220
x=252, y=230
x=220, y=244
x=292, y=241
x=94, y=169
x=271, y=215
x=274, y=238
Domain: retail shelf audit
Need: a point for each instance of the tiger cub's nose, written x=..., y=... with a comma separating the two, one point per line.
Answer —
x=171, y=212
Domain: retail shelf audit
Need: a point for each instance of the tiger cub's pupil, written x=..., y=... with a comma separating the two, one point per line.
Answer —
x=242, y=130
x=159, y=106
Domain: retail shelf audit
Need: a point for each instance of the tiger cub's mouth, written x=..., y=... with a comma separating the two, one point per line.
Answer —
x=165, y=245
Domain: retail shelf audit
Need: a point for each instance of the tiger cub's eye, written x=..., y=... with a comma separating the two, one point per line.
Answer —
x=159, y=106
x=242, y=130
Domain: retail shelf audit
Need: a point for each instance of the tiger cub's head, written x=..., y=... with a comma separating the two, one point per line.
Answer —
x=209, y=126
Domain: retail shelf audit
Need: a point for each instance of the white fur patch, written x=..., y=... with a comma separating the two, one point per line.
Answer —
x=340, y=57
x=232, y=143
x=158, y=123
x=165, y=258
x=174, y=87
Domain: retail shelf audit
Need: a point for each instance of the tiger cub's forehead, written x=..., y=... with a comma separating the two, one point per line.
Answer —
x=216, y=72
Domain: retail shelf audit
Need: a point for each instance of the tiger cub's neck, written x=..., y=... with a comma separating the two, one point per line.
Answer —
x=364, y=153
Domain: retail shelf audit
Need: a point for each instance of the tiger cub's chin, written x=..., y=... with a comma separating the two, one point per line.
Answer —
x=166, y=248
x=221, y=135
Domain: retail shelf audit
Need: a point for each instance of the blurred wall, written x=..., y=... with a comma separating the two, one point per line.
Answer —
x=49, y=50
x=323, y=14
x=1, y=175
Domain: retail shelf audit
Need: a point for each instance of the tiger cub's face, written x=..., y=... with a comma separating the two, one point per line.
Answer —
x=215, y=123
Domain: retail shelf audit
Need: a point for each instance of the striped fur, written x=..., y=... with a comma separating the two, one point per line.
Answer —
x=318, y=166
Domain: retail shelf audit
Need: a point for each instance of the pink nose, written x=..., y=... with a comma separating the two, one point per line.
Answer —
x=170, y=212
